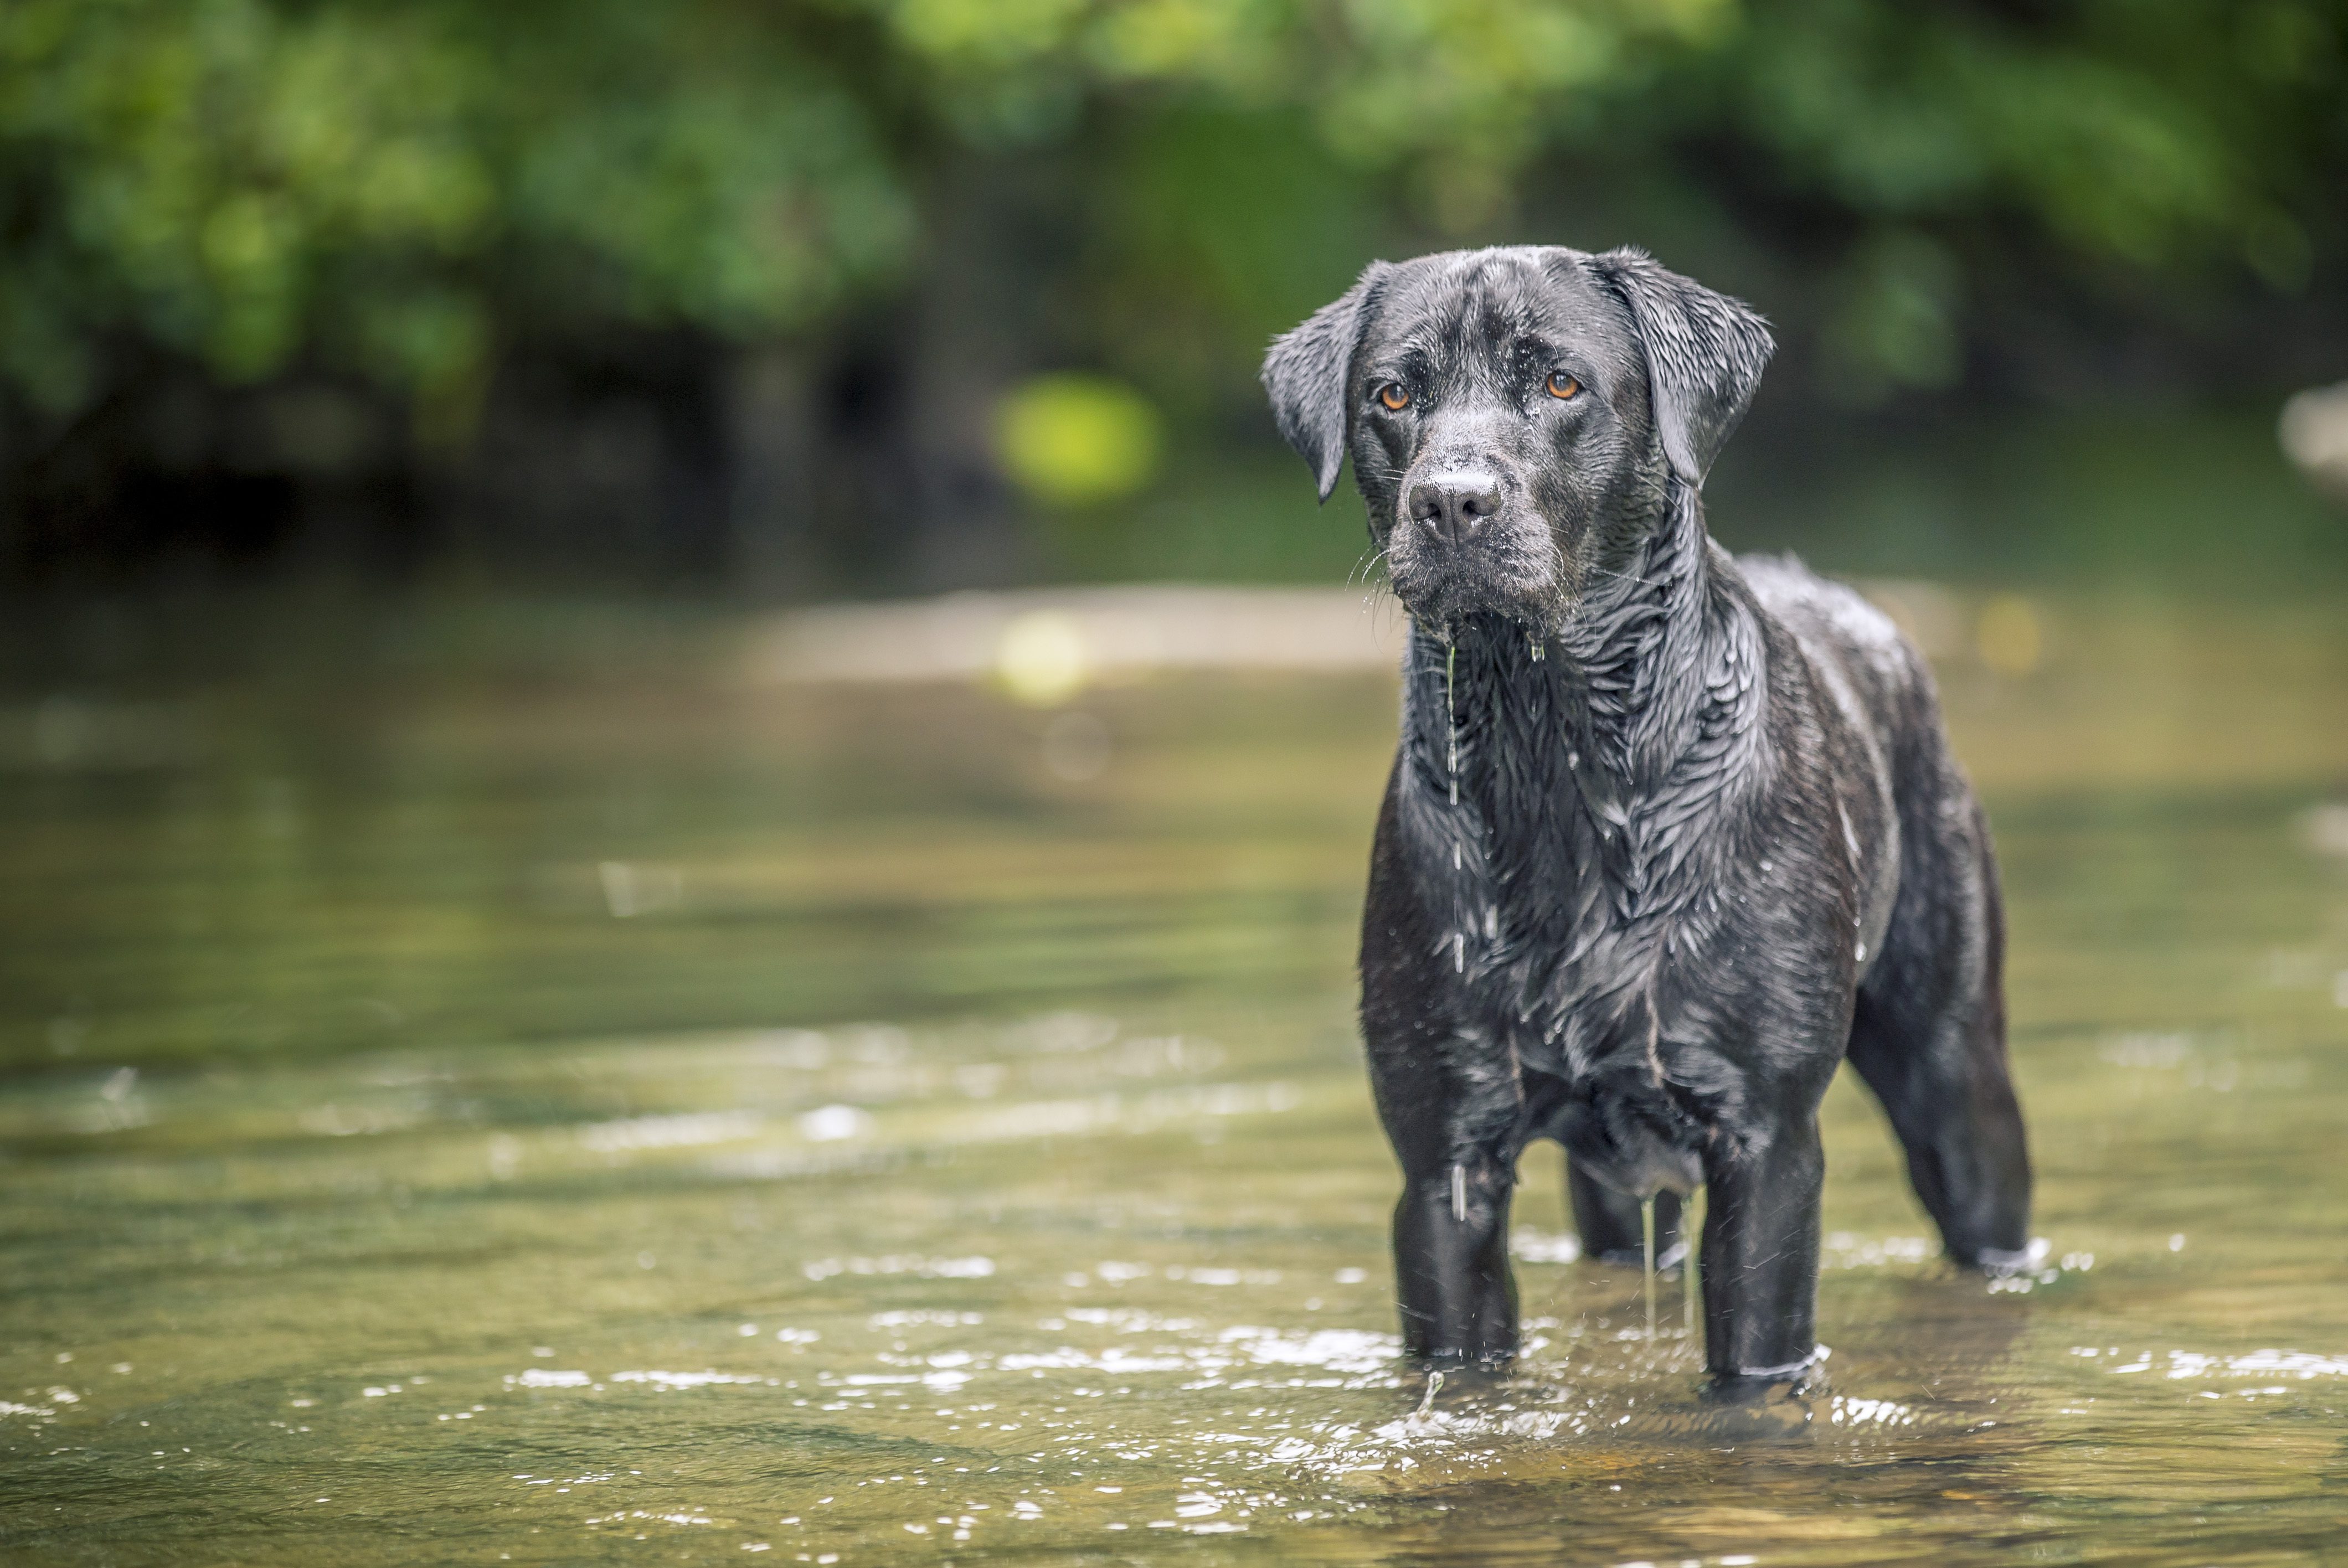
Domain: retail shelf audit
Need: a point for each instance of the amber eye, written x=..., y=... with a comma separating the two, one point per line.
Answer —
x=1395, y=398
x=1561, y=384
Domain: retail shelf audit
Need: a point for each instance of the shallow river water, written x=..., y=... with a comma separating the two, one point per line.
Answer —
x=629, y=1115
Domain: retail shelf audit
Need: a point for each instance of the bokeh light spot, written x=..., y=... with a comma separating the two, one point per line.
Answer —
x=1071, y=440
x=2012, y=639
x=1042, y=659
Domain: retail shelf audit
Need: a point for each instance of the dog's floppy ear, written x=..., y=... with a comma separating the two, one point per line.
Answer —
x=1705, y=356
x=1305, y=373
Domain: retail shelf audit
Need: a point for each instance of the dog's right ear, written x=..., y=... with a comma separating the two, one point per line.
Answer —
x=1304, y=373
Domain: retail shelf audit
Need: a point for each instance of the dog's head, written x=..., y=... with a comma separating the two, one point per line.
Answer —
x=1515, y=415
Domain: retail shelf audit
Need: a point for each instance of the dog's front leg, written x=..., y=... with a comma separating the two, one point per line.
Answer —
x=1760, y=1258
x=1457, y=1296
x=1450, y=1098
x=1450, y=1093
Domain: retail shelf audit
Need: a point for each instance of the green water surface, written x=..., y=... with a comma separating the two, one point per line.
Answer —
x=624, y=1114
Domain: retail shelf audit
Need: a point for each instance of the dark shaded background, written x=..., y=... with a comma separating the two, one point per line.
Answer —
x=751, y=299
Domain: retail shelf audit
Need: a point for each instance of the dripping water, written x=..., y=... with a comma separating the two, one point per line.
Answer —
x=1691, y=1228
x=1451, y=715
x=1647, y=1243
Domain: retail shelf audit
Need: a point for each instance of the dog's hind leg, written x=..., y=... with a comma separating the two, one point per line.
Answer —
x=1929, y=1037
x=1610, y=1224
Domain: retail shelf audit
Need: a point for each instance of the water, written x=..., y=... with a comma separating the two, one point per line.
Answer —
x=465, y=1114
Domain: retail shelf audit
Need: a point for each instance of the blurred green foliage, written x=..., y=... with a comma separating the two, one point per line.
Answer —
x=385, y=184
x=390, y=187
x=399, y=193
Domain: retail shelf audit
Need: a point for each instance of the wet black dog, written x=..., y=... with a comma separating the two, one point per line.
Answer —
x=1669, y=834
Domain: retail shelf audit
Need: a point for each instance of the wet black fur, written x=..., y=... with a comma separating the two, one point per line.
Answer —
x=1669, y=834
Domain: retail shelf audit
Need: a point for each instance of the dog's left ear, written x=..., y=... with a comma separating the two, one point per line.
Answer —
x=1705, y=356
x=1304, y=374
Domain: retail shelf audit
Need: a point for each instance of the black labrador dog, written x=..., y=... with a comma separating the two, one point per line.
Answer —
x=1669, y=833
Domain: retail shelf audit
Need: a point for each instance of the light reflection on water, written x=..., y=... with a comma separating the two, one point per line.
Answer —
x=377, y=1189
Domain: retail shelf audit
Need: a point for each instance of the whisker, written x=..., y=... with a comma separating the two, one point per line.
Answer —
x=1366, y=568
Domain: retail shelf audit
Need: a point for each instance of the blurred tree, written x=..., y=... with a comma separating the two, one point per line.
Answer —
x=872, y=216
x=388, y=187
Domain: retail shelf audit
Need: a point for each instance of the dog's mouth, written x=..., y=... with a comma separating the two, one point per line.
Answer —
x=1509, y=564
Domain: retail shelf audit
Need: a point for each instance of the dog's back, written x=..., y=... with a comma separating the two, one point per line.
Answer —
x=1873, y=670
x=1884, y=689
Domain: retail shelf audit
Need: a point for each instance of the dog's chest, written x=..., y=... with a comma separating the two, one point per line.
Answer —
x=1537, y=916
x=1555, y=885
x=1557, y=990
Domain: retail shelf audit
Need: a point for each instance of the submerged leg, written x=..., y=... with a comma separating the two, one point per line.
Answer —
x=1610, y=1224
x=1450, y=1095
x=1929, y=1037
x=1457, y=1296
x=1760, y=1257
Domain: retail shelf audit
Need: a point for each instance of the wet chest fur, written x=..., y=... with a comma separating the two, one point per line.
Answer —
x=1571, y=826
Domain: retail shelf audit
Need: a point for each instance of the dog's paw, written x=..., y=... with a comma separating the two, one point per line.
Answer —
x=1999, y=1263
x=1471, y=1364
x=1747, y=1384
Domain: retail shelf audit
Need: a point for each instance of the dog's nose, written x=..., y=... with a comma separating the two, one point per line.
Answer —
x=1453, y=506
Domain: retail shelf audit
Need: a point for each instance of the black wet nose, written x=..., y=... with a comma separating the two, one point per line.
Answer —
x=1454, y=506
